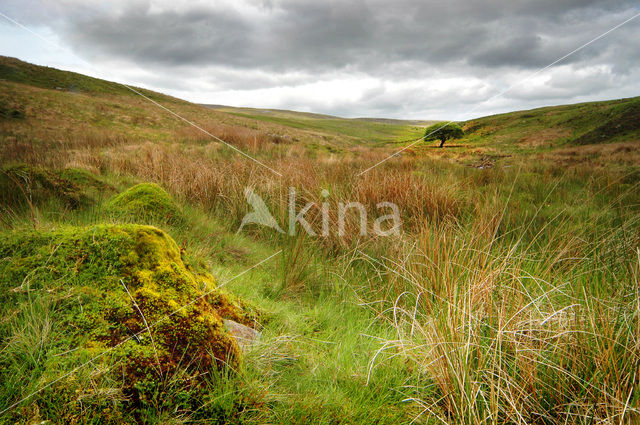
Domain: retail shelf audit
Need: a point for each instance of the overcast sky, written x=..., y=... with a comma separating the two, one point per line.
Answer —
x=384, y=58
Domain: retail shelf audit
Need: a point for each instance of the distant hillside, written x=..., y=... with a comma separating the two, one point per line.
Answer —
x=43, y=104
x=68, y=99
x=110, y=104
x=281, y=113
x=381, y=130
x=424, y=123
x=60, y=103
x=579, y=124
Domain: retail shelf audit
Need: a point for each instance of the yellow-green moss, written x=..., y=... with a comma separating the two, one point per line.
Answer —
x=83, y=270
x=146, y=202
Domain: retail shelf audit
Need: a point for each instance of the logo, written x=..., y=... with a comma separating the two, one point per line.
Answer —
x=384, y=225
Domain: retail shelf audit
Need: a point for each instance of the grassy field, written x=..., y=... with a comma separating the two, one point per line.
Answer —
x=510, y=295
x=357, y=130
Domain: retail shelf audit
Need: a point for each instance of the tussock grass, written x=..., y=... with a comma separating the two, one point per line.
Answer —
x=510, y=332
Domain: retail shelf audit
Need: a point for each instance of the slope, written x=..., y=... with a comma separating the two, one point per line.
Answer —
x=378, y=130
x=556, y=126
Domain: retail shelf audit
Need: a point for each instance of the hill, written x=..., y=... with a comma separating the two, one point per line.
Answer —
x=557, y=126
x=315, y=130
x=17, y=71
x=543, y=128
x=378, y=130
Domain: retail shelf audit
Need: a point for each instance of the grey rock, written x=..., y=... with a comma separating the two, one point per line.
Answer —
x=244, y=335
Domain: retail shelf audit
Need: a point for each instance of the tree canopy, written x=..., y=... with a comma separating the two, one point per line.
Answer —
x=443, y=131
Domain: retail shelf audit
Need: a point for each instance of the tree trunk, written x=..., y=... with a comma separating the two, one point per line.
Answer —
x=442, y=143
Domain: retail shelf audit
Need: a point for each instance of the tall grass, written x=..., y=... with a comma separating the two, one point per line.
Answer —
x=502, y=332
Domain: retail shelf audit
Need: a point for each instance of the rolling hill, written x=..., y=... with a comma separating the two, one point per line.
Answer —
x=556, y=126
x=377, y=130
x=542, y=128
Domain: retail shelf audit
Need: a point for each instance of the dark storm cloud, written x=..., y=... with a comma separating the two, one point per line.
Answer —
x=360, y=35
x=195, y=36
x=449, y=53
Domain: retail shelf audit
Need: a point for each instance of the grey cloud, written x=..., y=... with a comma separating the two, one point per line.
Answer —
x=288, y=43
x=196, y=36
x=329, y=35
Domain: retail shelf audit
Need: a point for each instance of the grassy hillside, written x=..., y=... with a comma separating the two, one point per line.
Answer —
x=362, y=130
x=17, y=71
x=556, y=126
x=508, y=293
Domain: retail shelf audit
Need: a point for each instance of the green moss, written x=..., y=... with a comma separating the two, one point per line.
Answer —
x=83, y=273
x=23, y=184
x=145, y=202
x=85, y=179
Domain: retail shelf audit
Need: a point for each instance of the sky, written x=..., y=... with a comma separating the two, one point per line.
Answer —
x=411, y=59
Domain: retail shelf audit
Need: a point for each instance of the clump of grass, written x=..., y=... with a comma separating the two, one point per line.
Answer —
x=501, y=332
x=20, y=183
x=144, y=202
x=25, y=187
x=420, y=197
x=8, y=111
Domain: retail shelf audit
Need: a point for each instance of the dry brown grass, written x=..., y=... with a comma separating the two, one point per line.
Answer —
x=497, y=342
x=545, y=137
x=419, y=197
x=600, y=155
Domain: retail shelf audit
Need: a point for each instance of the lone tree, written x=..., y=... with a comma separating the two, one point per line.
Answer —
x=443, y=131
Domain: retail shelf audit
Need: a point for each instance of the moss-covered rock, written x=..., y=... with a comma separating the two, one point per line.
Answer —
x=146, y=202
x=22, y=184
x=84, y=277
